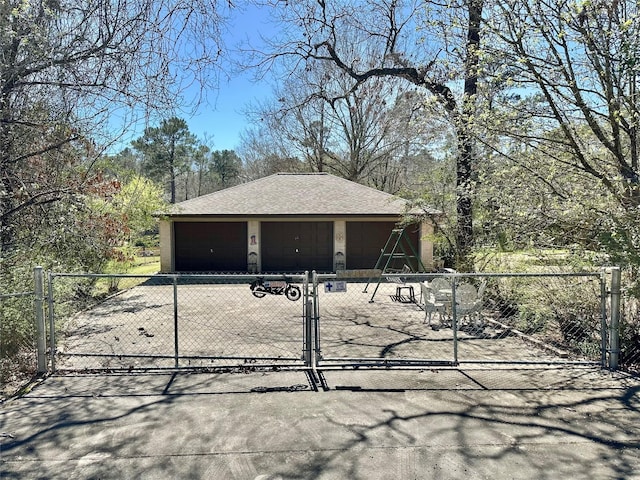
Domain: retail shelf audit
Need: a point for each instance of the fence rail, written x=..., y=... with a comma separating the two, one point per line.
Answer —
x=6, y=296
x=169, y=321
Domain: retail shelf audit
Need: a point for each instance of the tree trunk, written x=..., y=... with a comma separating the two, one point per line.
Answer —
x=172, y=183
x=466, y=154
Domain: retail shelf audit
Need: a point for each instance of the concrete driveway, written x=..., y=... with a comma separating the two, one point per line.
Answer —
x=528, y=423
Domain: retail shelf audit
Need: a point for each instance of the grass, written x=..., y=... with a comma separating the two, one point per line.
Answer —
x=536, y=261
x=139, y=266
x=145, y=266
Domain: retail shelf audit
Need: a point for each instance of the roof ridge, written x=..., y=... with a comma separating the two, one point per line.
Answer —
x=367, y=187
x=338, y=178
x=327, y=194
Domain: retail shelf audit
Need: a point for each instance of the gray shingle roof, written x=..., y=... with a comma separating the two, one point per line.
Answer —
x=294, y=194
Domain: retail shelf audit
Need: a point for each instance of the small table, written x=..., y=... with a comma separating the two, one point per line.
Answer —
x=398, y=297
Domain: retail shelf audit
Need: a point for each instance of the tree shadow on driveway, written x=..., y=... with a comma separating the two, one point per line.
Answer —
x=430, y=423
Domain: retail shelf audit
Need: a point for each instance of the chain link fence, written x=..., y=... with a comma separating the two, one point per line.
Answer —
x=127, y=322
x=451, y=319
x=18, y=349
x=22, y=335
x=176, y=321
x=629, y=346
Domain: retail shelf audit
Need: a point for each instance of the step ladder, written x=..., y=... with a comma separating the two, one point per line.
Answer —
x=397, y=248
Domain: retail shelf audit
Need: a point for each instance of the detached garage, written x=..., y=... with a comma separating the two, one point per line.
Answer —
x=287, y=223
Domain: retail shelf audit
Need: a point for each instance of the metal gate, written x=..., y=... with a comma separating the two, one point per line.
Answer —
x=350, y=330
x=340, y=320
x=175, y=321
x=452, y=319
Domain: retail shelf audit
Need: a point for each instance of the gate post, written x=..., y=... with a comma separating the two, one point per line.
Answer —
x=316, y=352
x=603, y=318
x=614, y=327
x=176, y=352
x=305, y=321
x=454, y=319
x=308, y=341
x=39, y=316
x=52, y=322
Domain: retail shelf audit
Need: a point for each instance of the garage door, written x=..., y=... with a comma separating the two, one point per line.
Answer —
x=210, y=247
x=297, y=246
x=365, y=241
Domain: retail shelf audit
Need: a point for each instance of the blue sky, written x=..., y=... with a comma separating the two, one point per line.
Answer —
x=223, y=117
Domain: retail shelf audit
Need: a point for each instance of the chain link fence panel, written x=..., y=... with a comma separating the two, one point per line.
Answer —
x=200, y=321
x=174, y=321
x=449, y=319
x=18, y=348
x=630, y=333
x=556, y=318
x=353, y=329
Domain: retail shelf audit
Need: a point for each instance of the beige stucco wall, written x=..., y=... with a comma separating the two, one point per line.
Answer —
x=166, y=246
x=426, y=244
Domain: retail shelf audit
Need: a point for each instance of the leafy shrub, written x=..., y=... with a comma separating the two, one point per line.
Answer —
x=17, y=332
x=630, y=333
x=562, y=310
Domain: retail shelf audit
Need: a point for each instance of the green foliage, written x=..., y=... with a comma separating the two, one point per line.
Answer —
x=630, y=331
x=135, y=203
x=562, y=163
x=168, y=151
x=17, y=324
x=65, y=69
x=227, y=166
x=531, y=320
x=564, y=311
x=16, y=332
x=434, y=194
x=130, y=263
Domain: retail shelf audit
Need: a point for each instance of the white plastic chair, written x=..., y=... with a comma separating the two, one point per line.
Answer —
x=469, y=302
x=431, y=304
x=441, y=288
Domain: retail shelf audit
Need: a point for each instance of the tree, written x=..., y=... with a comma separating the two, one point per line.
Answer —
x=264, y=154
x=361, y=135
x=569, y=81
x=227, y=167
x=74, y=75
x=200, y=162
x=67, y=66
x=168, y=151
x=136, y=203
x=123, y=166
x=377, y=39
